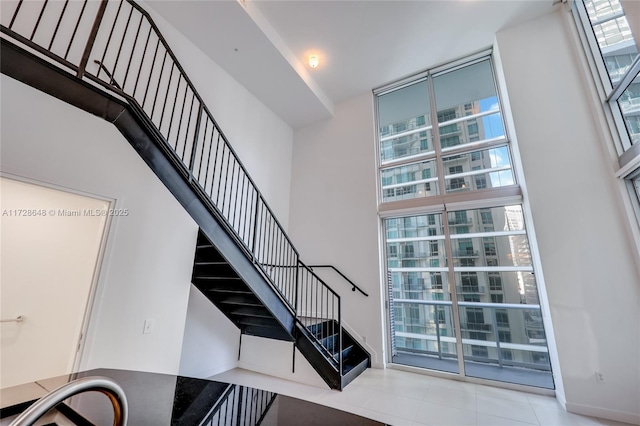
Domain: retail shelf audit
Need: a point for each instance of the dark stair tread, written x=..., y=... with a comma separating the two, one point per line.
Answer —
x=216, y=278
x=240, y=301
x=204, y=245
x=251, y=312
x=229, y=290
x=259, y=322
x=211, y=262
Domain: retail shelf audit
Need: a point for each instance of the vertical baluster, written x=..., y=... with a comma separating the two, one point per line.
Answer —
x=340, y=337
x=297, y=282
x=186, y=133
x=320, y=304
x=55, y=31
x=35, y=28
x=106, y=47
x=206, y=173
x=204, y=138
x=92, y=36
x=124, y=35
x=271, y=247
x=173, y=110
x=259, y=234
x=215, y=162
x=184, y=101
x=166, y=96
x=144, y=55
x=153, y=65
x=231, y=188
x=239, y=392
x=278, y=270
x=196, y=137
x=133, y=49
x=228, y=182
x=15, y=14
x=246, y=405
x=243, y=208
x=220, y=188
x=235, y=202
x=254, y=215
x=155, y=98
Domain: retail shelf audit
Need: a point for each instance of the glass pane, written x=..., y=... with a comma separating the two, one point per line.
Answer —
x=415, y=226
x=504, y=218
x=477, y=129
x=416, y=254
x=494, y=250
x=615, y=39
x=425, y=336
x=497, y=287
x=420, y=285
x=629, y=103
x=496, y=338
x=468, y=92
x=410, y=181
x=405, y=123
x=488, y=168
x=423, y=330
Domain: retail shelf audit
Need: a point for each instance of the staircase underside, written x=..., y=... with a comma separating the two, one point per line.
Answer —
x=223, y=270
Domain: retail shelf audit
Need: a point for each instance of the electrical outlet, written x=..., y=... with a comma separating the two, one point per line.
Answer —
x=599, y=377
x=148, y=326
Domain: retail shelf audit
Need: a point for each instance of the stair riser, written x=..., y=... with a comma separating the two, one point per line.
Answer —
x=213, y=270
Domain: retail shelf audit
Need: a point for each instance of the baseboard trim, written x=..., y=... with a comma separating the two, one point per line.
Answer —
x=605, y=413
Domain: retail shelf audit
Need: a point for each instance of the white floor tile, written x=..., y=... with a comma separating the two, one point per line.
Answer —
x=514, y=410
x=397, y=406
x=451, y=398
x=501, y=393
x=545, y=401
x=487, y=420
x=554, y=417
x=401, y=398
x=608, y=422
x=438, y=415
x=453, y=384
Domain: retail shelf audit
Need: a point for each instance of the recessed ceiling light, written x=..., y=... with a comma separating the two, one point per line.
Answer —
x=314, y=61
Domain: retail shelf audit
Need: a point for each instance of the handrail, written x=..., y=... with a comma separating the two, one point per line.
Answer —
x=18, y=318
x=101, y=384
x=354, y=286
x=119, y=39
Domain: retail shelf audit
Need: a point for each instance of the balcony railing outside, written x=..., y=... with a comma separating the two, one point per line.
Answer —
x=442, y=330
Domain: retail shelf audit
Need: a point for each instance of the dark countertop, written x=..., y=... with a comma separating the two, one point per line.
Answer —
x=162, y=399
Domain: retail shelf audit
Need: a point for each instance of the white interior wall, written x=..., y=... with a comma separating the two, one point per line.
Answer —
x=148, y=259
x=589, y=265
x=334, y=217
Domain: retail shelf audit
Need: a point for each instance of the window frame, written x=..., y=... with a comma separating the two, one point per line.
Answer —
x=628, y=154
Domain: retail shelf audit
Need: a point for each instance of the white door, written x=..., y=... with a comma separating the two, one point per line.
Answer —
x=50, y=243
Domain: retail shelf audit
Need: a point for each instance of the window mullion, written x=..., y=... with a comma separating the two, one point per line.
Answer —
x=445, y=224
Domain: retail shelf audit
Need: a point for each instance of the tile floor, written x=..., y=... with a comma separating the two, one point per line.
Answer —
x=401, y=398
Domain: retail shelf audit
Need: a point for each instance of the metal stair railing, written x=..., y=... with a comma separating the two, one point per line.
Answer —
x=116, y=45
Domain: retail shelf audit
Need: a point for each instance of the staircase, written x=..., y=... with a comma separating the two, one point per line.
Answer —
x=109, y=59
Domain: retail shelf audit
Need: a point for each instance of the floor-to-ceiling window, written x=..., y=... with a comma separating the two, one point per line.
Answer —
x=608, y=38
x=462, y=291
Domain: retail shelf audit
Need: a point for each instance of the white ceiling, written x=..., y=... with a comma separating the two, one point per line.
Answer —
x=362, y=45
